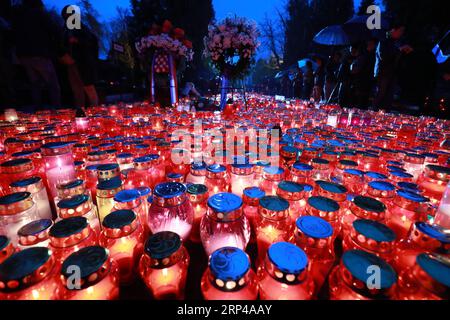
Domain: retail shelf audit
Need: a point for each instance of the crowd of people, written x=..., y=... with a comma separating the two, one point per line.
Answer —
x=367, y=74
x=34, y=40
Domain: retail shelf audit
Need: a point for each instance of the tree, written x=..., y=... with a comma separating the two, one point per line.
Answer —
x=119, y=33
x=90, y=18
x=362, y=10
x=272, y=34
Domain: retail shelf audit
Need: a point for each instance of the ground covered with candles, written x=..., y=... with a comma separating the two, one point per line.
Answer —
x=266, y=200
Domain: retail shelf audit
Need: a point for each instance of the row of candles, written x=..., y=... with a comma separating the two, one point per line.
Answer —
x=375, y=201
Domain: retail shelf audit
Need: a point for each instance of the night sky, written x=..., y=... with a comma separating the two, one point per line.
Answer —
x=252, y=9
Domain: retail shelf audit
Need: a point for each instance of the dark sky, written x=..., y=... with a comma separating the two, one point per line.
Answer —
x=252, y=9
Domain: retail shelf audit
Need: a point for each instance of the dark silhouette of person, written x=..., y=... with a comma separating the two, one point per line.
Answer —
x=362, y=75
x=388, y=55
x=37, y=39
x=308, y=80
x=331, y=71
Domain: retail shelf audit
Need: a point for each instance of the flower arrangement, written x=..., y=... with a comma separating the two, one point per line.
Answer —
x=232, y=45
x=166, y=38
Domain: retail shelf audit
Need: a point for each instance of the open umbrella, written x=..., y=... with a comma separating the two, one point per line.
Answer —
x=358, y=30
x=302, y=64
x=333, y=36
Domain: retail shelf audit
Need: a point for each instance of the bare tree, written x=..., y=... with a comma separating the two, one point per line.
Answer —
x=272, y=34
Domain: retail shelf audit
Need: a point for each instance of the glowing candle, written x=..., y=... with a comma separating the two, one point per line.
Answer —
x=198, y=194
x=163, y=267
x=123, y=236
x=100, y=276
x=29, y=274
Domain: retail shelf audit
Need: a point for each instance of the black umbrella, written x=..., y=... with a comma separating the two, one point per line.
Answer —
x=333, y=36
x=358, y=30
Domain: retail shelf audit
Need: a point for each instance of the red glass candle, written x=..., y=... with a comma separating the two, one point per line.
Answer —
x=251, y=199
x=373, y=237
x=333, y=191
x=59, y=165
x=433, y=182
x=70, y=235
x=314, y=236
x=229, y=276
x=147, y=172
x=414, y=164
x=35, y=234
x=284, y=274
x=407, y=208
x=382, y=191
x=123, y=236
x=105, y=193
x=198, y=196
x=224, y=224
x=16, y=210
x=301, y=172
x=15, y=170
x=422, y=237
x=322, y=169
x=30, y=274
x=272, y=176
x=171, y=210
x=131, y=200
x=353, y=180
x=125, y=160
x=197, y=173
x=6, y=248
x=35, y=186
x=81, y=150
x=164, y=265
x=99, y=276
x=351, y=279
x=368, y=161
x=273, y=224
x=338, y=174
x=293, y=193
x=362, y=208
x=258, y=171
x=326, y=209
x=426, y=280
x=79, y=206
x=97, y=158
x=217, y=179
x=241, y=178
x=288, y=156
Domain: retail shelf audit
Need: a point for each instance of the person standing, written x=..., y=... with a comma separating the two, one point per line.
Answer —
x=37, y=39
x=81, y=59
x=319, y=80
x=308, y=80
x=388, y=55
x=298, y=83
x=330, y=74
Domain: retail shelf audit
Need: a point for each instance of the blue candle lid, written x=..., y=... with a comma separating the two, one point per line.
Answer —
x=34, y=227
x=216, y=168
x=88, y=259
x=162, y=244
x=107, y=167
x=72, y=184
x=14, y=197
x=174, y=175
x=92, y=167
x=290, y=186
x=287, y=257
x=273, y=170
x=307, y=187
x=439, y=169
x=374, y=230
x=119, y=219
x=369, y=204
x=359, y=262
x=437, y=267
x=409, y=186
x=225, y=202
x=412, y=196
x=25, y=182
x=54, y=145
x=96, y=153
x=15, y=162
x=144, y=191
x=254, y=192
x=314, y=227
x=147, y=158
x=381, y=185
x=197, y=189
x=348, y=163
x=4, y=242
x=302, y=166
x=331, y=187
x=127, y=195
x=401, y=174
x=169, y=190
x=354, y=172
x=124, y=155
x=323, y=204
x=22, y=154
x=433, y=231
x=229, y=264
x=23, y=263
x=198, y=166
x=274, y=203
x=67, y=227
x=110, y=184
x=320, y=161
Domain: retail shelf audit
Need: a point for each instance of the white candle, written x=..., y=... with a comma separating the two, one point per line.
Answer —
x=223, y=240
x=59, y=175
x=180, y=227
